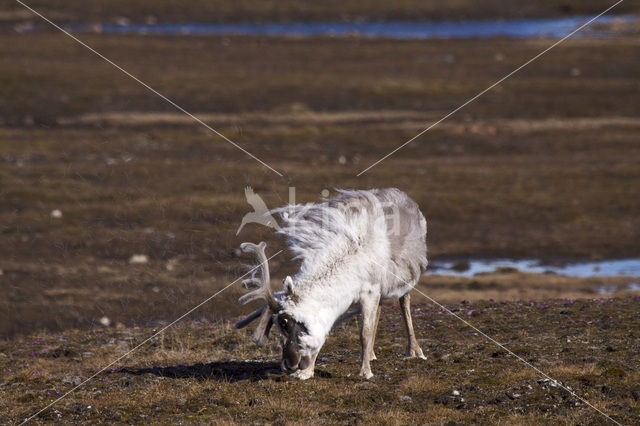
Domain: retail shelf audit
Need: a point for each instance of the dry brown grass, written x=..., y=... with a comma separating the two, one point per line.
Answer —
x=197, y=372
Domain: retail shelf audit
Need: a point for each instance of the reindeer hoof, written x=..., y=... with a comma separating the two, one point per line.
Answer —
x=367, y=374
x=302, y=374
x=414, y=353
x=415, y=356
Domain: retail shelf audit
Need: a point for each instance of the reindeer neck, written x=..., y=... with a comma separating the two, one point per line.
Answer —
x=319, y=303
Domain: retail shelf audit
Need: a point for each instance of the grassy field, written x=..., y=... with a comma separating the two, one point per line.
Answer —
x=202, y=372
x=547, y=165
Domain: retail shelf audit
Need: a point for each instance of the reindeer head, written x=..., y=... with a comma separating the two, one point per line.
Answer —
x=296, y=355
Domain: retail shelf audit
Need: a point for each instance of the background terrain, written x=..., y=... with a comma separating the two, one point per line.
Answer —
x=546, y=165
x=300, y=10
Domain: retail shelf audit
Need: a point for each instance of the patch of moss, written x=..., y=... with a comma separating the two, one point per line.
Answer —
x=614, y=371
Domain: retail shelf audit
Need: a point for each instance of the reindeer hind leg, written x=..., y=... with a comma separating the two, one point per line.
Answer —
x=413, y=348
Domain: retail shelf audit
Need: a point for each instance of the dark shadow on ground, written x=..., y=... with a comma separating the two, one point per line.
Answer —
x=228, y=371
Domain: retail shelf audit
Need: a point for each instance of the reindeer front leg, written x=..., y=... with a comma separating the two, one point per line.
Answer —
x=306, y=371
x=369, y=311
x=375, y=330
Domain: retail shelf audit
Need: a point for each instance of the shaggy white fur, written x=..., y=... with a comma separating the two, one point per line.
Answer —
x=356, y=248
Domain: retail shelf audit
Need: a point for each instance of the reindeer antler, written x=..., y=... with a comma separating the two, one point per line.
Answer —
x=264, y=292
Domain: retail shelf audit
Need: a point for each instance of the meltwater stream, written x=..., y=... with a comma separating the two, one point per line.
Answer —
x=603, y=268
x=516, y=28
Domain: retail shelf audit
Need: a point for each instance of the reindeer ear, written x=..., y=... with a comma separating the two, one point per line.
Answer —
x=287, y=283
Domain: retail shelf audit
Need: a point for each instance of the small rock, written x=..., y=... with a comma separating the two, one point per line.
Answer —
x=139, y=259
x=71, y=379
x=342, y=160
x=456, y=393
x=105, y=321
x=405, y=398
x=171, y=264
x=56, y=214
x=122, y=20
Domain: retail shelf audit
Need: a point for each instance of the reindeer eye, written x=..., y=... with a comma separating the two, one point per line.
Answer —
x=284, y=322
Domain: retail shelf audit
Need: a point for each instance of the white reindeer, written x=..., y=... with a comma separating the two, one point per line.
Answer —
x=356, y=249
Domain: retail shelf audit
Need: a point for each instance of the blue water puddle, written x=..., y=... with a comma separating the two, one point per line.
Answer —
x=610, y=289
x=604, y=268
x=517, y=28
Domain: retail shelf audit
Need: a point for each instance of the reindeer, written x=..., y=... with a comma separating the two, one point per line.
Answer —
x=355, y=249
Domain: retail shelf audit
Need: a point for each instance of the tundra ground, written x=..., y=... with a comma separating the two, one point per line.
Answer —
x=546, y=165
x=203, y=372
